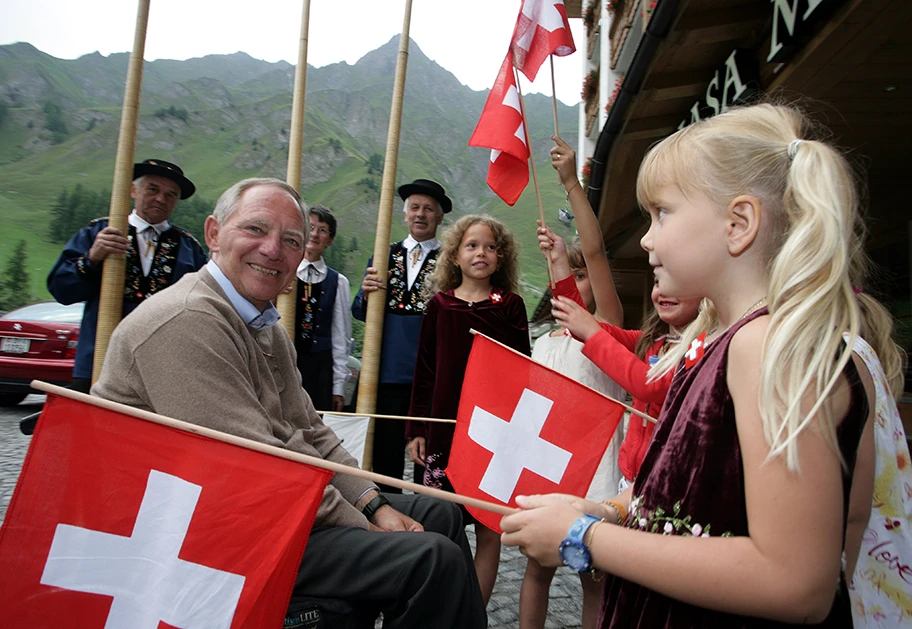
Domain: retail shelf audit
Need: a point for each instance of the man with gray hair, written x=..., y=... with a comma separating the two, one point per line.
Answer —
x=410, y=262
x=207, y=351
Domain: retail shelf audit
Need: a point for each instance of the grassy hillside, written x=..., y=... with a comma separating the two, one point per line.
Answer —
x=231, y=120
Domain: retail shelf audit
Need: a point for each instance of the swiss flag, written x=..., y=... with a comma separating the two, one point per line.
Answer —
x=541, y=29
x=695, y=351
x=501, y=129
x=529, y=430
x=121, y=522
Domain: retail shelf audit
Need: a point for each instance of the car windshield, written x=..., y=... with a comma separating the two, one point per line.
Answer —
x=47, y=311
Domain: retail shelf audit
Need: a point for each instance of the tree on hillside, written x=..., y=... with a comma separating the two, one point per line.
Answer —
x=375, y=164
x=14, y=280
x=73, y=210
x=55, y=123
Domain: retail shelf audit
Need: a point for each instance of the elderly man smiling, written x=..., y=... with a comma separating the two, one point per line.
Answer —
x=207, y=351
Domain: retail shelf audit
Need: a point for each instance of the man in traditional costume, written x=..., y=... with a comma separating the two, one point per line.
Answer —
x=158, y=254
x=322, y=334
x=410, y=263
x=208, y=352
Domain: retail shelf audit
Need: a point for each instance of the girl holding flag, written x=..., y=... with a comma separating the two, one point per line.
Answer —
x=764, y=447
x=475, y=282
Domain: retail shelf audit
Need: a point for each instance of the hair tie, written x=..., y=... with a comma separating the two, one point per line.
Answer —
x=858, y=290
x=793, y=148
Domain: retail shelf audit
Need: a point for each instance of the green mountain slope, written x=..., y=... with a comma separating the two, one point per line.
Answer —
x=225, y=117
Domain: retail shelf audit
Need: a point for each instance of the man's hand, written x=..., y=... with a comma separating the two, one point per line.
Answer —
x=338, y=403
x=109, y=240
x=416, y=450
x=388, y=519
x=371, y=282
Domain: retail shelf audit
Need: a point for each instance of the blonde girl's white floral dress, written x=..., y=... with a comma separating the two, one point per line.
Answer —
x=881, y=588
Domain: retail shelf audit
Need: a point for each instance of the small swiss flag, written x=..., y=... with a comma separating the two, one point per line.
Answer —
x=500, y=128
x=541, y=29
x=526, y=430
x=121, y=522
x=695, y=351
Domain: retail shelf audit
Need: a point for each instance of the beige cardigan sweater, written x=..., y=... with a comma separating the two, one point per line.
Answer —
x=186, y=353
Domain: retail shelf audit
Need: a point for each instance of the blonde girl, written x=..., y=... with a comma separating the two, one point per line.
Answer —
x=474, y=284
x=738, y=515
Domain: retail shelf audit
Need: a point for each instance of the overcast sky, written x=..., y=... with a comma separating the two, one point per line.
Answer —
x=467, y=37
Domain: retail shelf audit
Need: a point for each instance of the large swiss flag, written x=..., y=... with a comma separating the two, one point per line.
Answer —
x=523, y=429
x=541, y=29
x=500, y=128
x=121, y=522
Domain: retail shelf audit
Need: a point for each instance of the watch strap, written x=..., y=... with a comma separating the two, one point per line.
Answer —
x=371, y=507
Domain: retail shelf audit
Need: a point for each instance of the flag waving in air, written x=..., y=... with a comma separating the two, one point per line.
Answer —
x=530, y=430
x=541, y=29
x=121, y=522
x=501, y=129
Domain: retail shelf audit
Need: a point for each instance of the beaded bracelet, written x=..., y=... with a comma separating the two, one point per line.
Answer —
x=621, y=511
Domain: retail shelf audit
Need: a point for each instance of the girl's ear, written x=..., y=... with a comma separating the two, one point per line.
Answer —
x=744, y=216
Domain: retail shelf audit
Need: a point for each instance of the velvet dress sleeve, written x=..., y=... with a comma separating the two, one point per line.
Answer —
x=425, y=371
x=518, y=336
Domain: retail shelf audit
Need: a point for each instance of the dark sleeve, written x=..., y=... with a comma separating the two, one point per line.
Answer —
x=74, y=278
x=519, y=326
x=425, y=372
x=359, y=306
x=624, y=367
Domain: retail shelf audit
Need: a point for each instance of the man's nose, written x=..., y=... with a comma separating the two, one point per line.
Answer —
x=271, y=246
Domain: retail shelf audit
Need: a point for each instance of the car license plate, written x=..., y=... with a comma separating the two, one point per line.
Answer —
x=15, y=346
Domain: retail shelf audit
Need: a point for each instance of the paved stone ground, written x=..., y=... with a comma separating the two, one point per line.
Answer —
x=503, y=609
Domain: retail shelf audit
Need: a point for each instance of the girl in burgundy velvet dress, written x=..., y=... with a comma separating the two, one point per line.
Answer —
x=476, y=275
x=764, y=447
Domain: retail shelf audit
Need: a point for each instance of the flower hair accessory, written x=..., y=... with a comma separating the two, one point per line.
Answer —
x=793, y=148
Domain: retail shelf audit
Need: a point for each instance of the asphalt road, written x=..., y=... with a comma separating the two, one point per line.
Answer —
x=503, y=609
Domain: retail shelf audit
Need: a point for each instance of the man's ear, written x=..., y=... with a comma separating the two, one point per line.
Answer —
x=211, y=229
x=744, y=216
x=133, y=190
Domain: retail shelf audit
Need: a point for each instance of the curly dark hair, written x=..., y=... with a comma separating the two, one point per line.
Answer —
x=447, y=275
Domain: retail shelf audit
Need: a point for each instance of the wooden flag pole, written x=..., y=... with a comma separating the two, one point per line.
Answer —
x=553, y=96
x=272, y=450
x=541, y=209
x=404, y=418
x=373, y=328
x=287, y=301
x=113, y=271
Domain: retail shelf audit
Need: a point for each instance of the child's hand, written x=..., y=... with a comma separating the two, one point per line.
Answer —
x=582, y=325
x=416, y=450
x=539, y=528
x=563, y=160
x=552, y=246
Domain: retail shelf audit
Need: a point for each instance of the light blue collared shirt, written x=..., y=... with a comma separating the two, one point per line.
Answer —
x=249, y=313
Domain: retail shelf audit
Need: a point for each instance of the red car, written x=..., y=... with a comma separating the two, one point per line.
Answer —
x=37, y=342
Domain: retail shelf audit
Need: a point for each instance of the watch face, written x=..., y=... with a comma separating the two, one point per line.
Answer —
x=575, y=556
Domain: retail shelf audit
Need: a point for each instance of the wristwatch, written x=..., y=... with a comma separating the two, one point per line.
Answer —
x=371, y=507
x=572, y=550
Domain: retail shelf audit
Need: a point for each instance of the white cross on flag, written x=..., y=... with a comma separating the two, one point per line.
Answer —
x=118, y=523
x=695, y=351
x=501, y=129
x=541, y=29
x=523, y=429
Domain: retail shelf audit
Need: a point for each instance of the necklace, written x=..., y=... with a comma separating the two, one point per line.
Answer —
x=757, y=305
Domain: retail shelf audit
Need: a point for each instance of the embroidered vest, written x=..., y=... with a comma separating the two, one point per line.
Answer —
x=313, y=316
x=137, y=286
x=403, y=301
